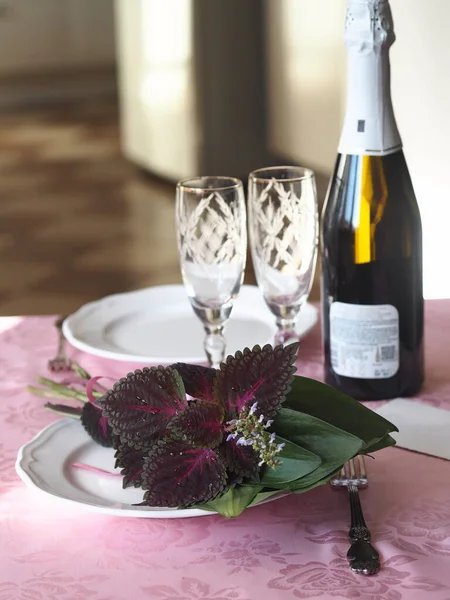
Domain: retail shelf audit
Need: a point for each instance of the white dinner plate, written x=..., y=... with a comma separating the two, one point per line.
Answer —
x=158, y=325
x=45, y=463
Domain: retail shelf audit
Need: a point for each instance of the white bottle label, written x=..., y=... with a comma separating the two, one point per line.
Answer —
x=364, y=340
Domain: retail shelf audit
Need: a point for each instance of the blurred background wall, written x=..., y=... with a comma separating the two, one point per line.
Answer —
x=53, y=50
x=123, y=97
x=192, y=85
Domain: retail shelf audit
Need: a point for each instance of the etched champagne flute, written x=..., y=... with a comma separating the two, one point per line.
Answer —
x=283, y=226
x=212, y=244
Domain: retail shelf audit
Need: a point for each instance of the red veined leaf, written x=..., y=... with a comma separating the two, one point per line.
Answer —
x=178, y=475
x=131, y=463
x=96, y=425
x=198, y=381
x=200, y=424
x=259, y=375
x=142, y=404
x=241, y=460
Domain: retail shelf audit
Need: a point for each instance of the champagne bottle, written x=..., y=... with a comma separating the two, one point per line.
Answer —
x=371, y=233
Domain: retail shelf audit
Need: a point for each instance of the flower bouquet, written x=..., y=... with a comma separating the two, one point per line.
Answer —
x=222, y=440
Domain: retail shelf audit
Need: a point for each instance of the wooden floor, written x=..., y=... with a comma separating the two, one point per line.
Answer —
x=77, y=220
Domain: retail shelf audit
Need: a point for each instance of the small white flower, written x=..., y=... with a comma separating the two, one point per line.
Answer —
x=253, y=408
x=243, y=442
x=250, y=429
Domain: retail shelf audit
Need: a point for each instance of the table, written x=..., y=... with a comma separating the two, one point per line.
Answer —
x=292, y=548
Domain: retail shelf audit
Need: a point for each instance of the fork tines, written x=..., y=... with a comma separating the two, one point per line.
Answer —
x=352, y=473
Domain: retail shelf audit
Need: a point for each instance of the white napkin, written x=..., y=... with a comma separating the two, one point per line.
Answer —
x=422, y=428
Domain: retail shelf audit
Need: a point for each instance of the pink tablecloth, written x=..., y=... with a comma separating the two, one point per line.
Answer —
x=292, y=548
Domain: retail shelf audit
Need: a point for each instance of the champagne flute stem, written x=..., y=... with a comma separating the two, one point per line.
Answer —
x=286, y=332
x=215, y=345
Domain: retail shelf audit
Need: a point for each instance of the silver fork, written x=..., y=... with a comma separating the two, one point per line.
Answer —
x=61, y=362
x=362, y=556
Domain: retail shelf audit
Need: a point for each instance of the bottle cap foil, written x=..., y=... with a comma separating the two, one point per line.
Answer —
x=369, y=25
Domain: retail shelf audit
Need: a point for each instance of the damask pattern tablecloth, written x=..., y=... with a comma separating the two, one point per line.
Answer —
x=292, y=548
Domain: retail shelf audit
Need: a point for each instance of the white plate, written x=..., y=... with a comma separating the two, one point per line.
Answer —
x=158, y=325
x=45, y=462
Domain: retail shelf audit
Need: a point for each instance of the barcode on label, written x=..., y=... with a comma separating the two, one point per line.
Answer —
x=388, y=353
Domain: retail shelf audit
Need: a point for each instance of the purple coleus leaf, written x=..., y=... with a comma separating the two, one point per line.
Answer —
x=140, y=406
x=199, y=424
x=261, y=375
x=177, y=475
x=131, y=463
x=198, y=381
x=64, y=409
x=240, y=460
x=96, y=425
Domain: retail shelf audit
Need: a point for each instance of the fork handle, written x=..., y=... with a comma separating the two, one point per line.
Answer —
x=362, y=556
x=60, y=352
x=358, y=527
x=61, y=338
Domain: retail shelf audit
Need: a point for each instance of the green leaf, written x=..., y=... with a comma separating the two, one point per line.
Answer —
x=326, y=403
x=234, y=501
x=295, y=462
x=385, y=442
x=333, y=445
x=315, y=484
x=262, y=496
x=56, y=390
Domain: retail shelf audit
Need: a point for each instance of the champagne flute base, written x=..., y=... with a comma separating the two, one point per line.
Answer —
x=215, y=345
x=286, y=332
